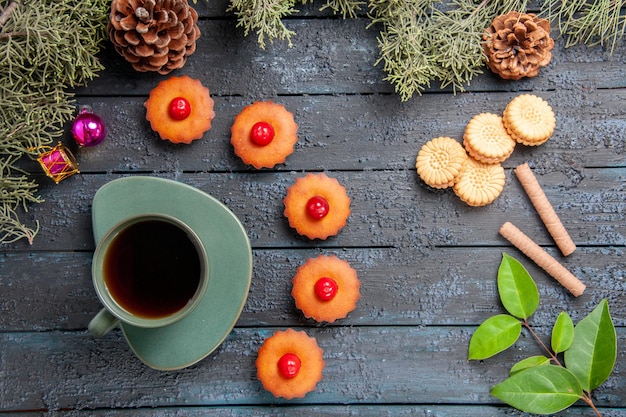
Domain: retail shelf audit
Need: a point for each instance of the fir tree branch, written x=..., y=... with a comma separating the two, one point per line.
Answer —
x=13, y=229
x=345, y=8
x=405, y=43
x=6, y=13
x=601, y=22
x=265, y=17
x=420, y=43
x=46, y=48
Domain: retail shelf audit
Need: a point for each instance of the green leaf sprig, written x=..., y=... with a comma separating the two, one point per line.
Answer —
x=580, y=358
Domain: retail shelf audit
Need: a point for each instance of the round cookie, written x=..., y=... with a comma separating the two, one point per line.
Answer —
x=180, y=109
x=479, y=184
x=486, y=139
x=529, y=119
x=290, y=364
x=439, y=161
x=317, y=206
x=264, y=134
x=326, y=288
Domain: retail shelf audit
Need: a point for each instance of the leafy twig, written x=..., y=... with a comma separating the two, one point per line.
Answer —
x=586, y=398
x=535, y=385
x=540, y=342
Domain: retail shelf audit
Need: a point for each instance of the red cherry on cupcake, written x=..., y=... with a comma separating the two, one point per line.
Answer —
x=289, y=365
x=317, y=207
x=262, y=133
x=326, y=288
x=179, y=108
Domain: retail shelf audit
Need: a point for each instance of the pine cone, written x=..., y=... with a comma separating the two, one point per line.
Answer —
x=154, y=35
x=517, y=45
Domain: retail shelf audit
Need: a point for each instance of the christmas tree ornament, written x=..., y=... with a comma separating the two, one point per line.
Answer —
x=154, y=35
x=517, y=45
x=88, y=128
x=58, y=162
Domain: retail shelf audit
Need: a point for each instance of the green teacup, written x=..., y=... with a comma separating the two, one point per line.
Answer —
x=148, y=271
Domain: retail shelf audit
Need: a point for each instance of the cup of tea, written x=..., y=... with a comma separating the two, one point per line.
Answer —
x=148, y=271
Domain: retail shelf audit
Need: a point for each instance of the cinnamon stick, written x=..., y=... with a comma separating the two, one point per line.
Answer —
x=545, y=210
x=542, y=258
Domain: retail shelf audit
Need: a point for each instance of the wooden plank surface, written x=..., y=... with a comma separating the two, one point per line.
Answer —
x=324, y=411
x=389, y=208
x=364, y=132
x=58, y=370
x=341, y=64
x=427, y=261
x=407, y=286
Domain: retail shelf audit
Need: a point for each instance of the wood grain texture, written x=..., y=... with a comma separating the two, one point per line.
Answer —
x=425, y=410
x=364, y=132
x=408, y=286
x=361, y=368
x=427, y=261
x=332, y=56
x=390, y=208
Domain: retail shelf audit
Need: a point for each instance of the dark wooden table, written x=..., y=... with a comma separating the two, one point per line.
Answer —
x=427, y=261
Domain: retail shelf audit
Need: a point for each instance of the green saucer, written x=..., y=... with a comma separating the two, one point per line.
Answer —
x=230, y=262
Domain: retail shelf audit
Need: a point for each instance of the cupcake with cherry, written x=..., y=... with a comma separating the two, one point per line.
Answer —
x=263, y=134
x=317, y=206
x=290, y=364
x=326, y=288
x=180, y=109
